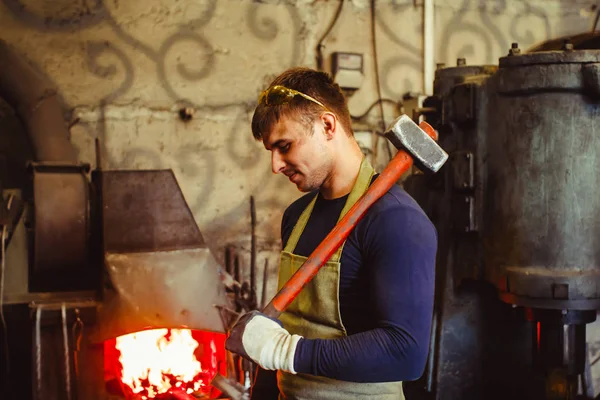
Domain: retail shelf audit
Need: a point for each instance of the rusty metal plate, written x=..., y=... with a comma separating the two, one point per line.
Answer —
x=146, y=211
x=61, y=215
x=160, y=289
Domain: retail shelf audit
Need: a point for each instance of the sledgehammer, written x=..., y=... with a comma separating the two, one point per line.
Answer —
x=415, y=144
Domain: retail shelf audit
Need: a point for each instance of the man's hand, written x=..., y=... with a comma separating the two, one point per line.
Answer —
x=264, y=341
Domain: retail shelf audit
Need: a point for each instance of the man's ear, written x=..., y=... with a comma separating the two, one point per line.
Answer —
x=330, y=124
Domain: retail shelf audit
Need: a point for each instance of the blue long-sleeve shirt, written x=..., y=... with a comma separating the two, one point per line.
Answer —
x=386, y=290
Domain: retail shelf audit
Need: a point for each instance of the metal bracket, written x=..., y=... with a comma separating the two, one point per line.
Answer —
x=463, y=103
x=463, y=170
x=465, y=219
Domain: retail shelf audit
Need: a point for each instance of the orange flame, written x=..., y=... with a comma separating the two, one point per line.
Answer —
x=154, y=361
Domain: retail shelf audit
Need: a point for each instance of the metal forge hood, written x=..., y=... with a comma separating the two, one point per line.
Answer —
x=159, y=271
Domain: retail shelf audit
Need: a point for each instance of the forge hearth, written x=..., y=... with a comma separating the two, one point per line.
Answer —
x=154, y=271
x=150, y=363
x=161, y=275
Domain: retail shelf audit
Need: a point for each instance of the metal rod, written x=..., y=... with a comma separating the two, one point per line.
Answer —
x=566, y=357
x=98, y=154
x=70, y=304
x=586, y=377
x=38, y=353
x=229, y=260
x=77, y=333
x=2, y=276
x=263, y=297
x=236, y=267
x=65, y=332
x=252, y=246
x=432, y=354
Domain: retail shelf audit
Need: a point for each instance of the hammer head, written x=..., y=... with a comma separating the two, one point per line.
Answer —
x=406, y=135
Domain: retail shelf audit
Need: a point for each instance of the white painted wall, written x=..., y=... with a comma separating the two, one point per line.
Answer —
x=125, y=68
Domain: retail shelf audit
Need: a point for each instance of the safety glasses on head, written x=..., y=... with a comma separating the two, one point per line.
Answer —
x=278, y=95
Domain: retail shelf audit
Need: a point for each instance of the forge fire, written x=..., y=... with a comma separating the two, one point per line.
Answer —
x=151, y=363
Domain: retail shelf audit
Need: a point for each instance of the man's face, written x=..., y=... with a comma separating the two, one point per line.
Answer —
x=304, y=158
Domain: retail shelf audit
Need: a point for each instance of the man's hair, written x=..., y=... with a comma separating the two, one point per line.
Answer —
x=316, y=84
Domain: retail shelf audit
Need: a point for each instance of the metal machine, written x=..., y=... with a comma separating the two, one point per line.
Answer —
x=88, y=256
x=518, y=216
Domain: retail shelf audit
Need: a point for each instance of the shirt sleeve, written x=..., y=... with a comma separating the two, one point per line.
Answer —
x=398, y=248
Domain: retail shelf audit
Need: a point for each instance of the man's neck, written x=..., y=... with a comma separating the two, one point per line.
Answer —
x=344, y=173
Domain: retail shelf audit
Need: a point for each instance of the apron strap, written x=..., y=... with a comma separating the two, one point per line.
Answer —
x=299, y=227
x=361, y=185
x=363, y=181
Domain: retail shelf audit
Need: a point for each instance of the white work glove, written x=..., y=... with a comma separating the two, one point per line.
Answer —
x=264, y=341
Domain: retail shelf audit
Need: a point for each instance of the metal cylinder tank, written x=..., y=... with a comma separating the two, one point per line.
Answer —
x=518, y=220
x=542, y=208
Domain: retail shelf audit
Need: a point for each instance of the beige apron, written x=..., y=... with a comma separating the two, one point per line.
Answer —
x=315, y=313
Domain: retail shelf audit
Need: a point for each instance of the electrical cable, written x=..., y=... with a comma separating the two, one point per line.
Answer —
x=376, y=102
x=320, y=43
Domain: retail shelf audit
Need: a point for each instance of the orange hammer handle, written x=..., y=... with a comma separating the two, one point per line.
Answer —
x=388, y=177
x=290, y=290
